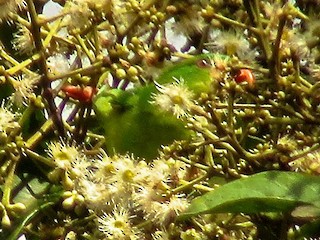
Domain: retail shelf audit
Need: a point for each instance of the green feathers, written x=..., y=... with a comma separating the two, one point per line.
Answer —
x=132, y=124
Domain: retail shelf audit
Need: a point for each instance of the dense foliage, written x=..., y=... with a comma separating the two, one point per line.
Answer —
x=173, y=119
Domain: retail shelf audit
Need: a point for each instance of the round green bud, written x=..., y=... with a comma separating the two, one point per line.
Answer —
x=253, y=130
x=68, y=203
x=121, y=73
x=154, y=19
x=17, y=208
x=5, y=221
x=132, y=71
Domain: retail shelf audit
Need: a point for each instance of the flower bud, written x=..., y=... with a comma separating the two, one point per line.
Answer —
x=17, y=208
x=121, y=73
x=5, y=221
x=68, y=203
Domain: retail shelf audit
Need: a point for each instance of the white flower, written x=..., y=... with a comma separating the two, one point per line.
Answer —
x=24, y=86
x=190, y=23
x=117, y=225
x=63, y=154
x=162, y=212
x=166, y=212
x=178, y=171
x=96, y=195
x=160, y=170
x=58, y=64
x=78, y=14
x=145, y=198
x=309, y=163
x=120, y=169
x=231, y=43
x=23, y=40
x=7, y=120
x=80, y=167
x=174, y=97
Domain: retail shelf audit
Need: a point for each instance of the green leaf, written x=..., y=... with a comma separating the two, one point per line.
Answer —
x=271, y=191
x=37, y=195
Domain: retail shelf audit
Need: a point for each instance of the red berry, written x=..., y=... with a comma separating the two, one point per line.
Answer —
x=245, y=75
x=79, y=93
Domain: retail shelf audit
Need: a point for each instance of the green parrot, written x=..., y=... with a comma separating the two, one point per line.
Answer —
x=132, y=124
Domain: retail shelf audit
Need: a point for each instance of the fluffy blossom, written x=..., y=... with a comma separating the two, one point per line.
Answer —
x=58, y=64
x=24, y=86
x=7, y=120
x=63, y=154
x=309, y=163
x=117, y=225
x=166, y=212
x=78, y=14
x=97, y=195
x=23, y=40
x=231, y=43
x=174, y=97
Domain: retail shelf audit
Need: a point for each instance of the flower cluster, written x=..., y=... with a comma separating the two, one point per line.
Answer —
x=121, y=190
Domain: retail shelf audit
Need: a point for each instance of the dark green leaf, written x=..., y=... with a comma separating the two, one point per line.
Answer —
x=271, y=191
x=36, y=194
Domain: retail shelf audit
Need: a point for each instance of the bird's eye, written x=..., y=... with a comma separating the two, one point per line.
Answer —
x=204, y=63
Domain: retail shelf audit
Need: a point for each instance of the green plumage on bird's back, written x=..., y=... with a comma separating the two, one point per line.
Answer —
x=195, y=71
x=133, y=124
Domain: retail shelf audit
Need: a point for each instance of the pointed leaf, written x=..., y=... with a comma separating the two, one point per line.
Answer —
x=271, y=191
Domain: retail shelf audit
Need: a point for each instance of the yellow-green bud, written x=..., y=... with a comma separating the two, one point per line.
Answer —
x=5, y=221
x=132, y=71
x=39, y=103
x=252, y=130
x=79, y=199
x=160, y=16
x=17, y=207
x=154, y=19
x=67, y=182
x=67, y=194
x=54, y=175
x=71, y=236
x=121, y=73
x=135, y=41
x=114, y=66
x=68, y=203
x=85, y=80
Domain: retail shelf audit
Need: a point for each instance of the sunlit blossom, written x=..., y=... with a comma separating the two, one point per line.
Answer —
x=145, y=198
x=78, y=14
x=309, y=163
x=58, y=64
x=174, y=97
x=8, y=120
x=166, y=212
x=117, y=225
x=231, y=43
x=24, y=86
x=63, y=153
x=97, y=196
x=23, y=40
x=161, y=235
